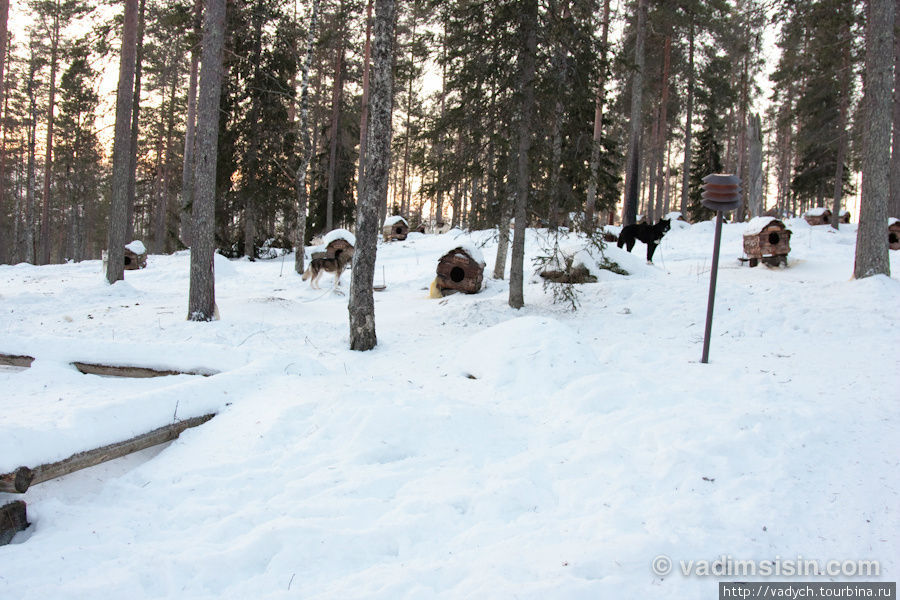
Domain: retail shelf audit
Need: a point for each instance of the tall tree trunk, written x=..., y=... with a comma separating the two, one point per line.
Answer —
x=846, y=73
x=190, y=129
x=526, y=66
x=894, y=208
x=663, y=129
x=405, y=192
x=306, y=146
x=871, y=239
x=5, y=251
x=31, y=183
x=202, y=299
x=48, y=151
x=118, y=225
x=755, y=171
x=364, y=108
x=337, y=95
x=507, y=204
x=686, y=167
x=596, y=144
x=378, y=157
x=633, y=162
x=560, y=65
x=135, y=124
x=250, y=188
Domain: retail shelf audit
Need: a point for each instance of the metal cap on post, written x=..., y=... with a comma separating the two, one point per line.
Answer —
x=721, y=192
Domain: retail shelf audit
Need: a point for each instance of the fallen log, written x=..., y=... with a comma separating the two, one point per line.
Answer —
x=17, y=481
x=12, y=520
x=94, y=457
x=16, y=360
x=135, y=372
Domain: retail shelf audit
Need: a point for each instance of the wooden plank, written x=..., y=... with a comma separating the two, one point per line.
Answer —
x=135, y=372
x=90, y=458
x=16, y=360
x=12, y=520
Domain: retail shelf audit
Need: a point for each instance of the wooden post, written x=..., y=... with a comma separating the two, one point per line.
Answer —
x=19, y=481
x=712, y=288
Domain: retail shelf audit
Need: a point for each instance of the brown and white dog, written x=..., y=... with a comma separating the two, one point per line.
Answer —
x=327, y=264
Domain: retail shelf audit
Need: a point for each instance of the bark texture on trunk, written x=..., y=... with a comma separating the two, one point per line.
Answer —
x=633, y=162
x=378, y=156
x=118, y=212
x=202, y=299
x=306, y=145
x=872, y=239
x=526, y=60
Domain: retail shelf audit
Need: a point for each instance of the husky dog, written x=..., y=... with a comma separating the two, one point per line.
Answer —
x=327, y=264
x=649, y=234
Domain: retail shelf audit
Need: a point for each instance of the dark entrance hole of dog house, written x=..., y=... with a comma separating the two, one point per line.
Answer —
x=774, y=238
x=457, y=274
x=398, y=230
x=127, y=260
x=892, y=238
x=337, y=253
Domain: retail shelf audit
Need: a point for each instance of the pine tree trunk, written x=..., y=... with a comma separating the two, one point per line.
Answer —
x=526, y=65
x=306, y=146
x=31, y=183
x=135, y=125
x=507, y=203
x=686, y=167
x=364, y=108
x=872, y=239
x=663, y=129
x=894, y=208
x=48, y=150
x=596, y=144
x=115, y=267
x=378, y=155
x=633, y=162
x=190, y=129
x=5, y=250
x=337, y=94
x=754, y=171
x=202, y=299
x=843, y=111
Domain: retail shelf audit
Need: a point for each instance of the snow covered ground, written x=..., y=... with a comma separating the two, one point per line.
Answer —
x=478, y=451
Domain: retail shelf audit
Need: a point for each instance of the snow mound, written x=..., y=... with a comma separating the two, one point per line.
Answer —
x=525, y=356
x=339, y=234
x=223, y=266
x=393, y=220
x=467, y=246
x=137, y=246
x=757, y=224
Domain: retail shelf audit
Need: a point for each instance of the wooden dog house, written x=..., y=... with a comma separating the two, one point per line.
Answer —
x=337, y=242
x=461, y=269
x=845, y=216
x=135, y=256
x=818, y=216
x=395, y=228
x=894, y=233
x=767, y=239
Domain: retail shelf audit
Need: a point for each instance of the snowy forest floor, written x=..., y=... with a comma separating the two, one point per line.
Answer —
x=478, y=451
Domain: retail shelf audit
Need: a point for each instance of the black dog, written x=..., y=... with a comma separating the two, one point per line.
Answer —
x=649, y=234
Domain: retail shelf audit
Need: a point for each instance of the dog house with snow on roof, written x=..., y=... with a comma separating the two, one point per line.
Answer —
x=135, y=256
x=395, y=228
x=894, y=233
x=766, y=239
x=338, y=241
x=845, y=215
x=818, y=216
x=461, y=269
